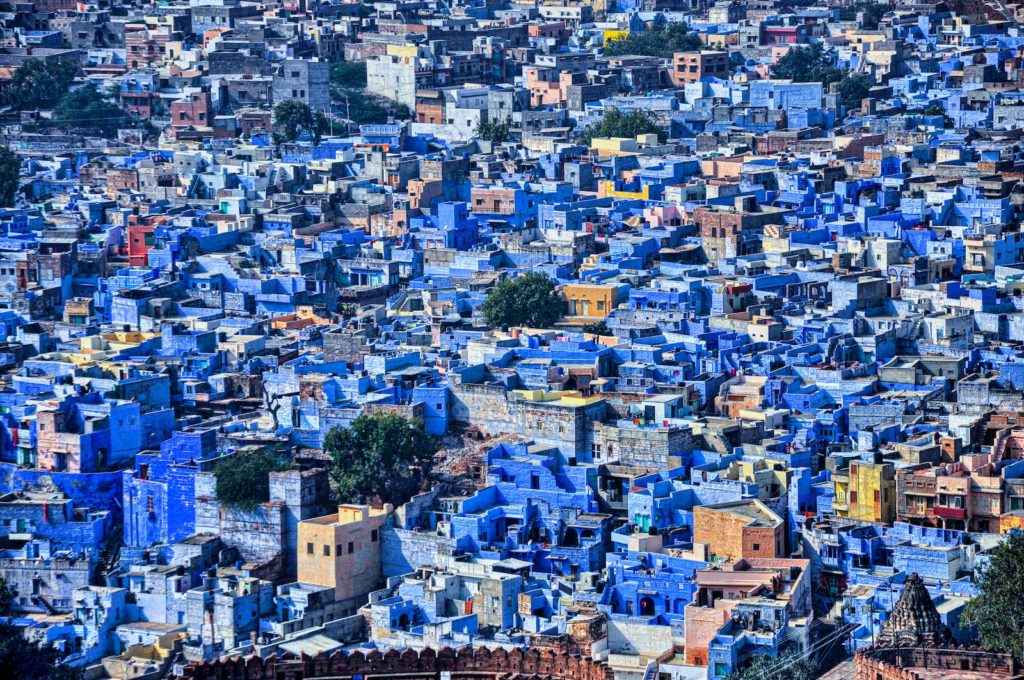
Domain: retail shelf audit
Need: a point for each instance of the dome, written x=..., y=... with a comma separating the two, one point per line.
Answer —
x=914, y=619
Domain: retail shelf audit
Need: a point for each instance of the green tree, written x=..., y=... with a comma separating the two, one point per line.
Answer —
x=350, y=75
x=873, y=13
x=293, y=119
x=242, y=480
x=10, y=172
x=998, y=609
x=939, y=110
x=812, y=64
x=362, y=108
x=853, y=90
x=496, y=132
x=377, y=457
x=348, y=91
x=788, y=666
x=660, y=41
x=26, y=659
x=615, y=123
x=530, y=300
x=40, y=84
x=85, y=108
x=597, y=328
x=8, y=595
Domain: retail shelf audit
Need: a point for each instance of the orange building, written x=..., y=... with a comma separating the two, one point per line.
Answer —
x=342, y=551
x=740, y=529
x=140, y=240
x=583, y=302
x=690, y=67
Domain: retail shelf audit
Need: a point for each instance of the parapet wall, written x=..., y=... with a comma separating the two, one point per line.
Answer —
x=922, y=663
x=462, y=664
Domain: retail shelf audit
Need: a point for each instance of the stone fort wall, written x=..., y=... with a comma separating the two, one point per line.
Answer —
x=462, y=664
x=922, y=663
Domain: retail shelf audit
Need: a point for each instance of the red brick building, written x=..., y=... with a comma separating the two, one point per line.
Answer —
x=690, y=67
x=740, y=529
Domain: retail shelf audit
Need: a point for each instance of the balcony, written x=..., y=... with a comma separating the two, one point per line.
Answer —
x=950, y=513
x=23, y=438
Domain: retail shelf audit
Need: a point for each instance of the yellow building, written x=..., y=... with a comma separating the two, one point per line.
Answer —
x=866, y=492
x=771, y=476
x=1011, y=521
x=613, y=34
x=586, y=301
x=621, y=146
x=342, y=551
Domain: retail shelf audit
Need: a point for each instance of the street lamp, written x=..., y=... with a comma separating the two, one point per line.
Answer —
x=348, y=118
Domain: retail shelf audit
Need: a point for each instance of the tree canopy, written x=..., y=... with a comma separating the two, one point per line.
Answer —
x=86, y=108
x=788, y=666
x=349, y=74
x=853, y=89
x=23, y=658
x=293, y=119
x=530, y=300
x=242, y=480
x=615, y=123
x=660, y=41
x=377, y=457
x=10, y=171
x=348, y=89
x=496, y=131
x=998, y=610
x=40, y=84
x=597, y=328
x=939, y=110
x=873, y=13
x=811, y=64
x=815, y=64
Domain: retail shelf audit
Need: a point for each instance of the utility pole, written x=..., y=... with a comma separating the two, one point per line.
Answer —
x=348, y=116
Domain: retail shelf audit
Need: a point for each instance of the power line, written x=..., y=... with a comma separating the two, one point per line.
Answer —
x=842, y=631
x=750, y=655
x=61, y=120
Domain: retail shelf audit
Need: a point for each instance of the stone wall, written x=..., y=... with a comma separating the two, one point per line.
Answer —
x=404, y=551
x=486, y=406
x=97, y=490
x=429, y=664
x=641, y=446
x=45, y=583
x=921, y=663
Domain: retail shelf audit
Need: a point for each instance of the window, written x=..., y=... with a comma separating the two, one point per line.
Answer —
x=351, y=547
x=309, y=548
x=373, y=536
x=757, y=546
x=327, y=551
